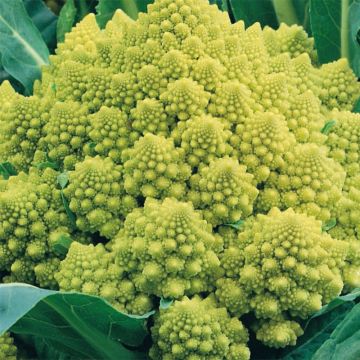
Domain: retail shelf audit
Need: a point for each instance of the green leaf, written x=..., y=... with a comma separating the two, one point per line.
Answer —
x=329, y=225
x=78, y=325
x=7, y=170
x=253, y=11
x=335, y=25
x=328, y=126
x=165, y=303
x=302, y=8
x=63, y=180
x=354, y=36
x=106, y=9
x=44, y=19
x=47, y=164
x=317, y=332
x=66, y=20
x=71, y=13
x=62, y=245
x=236, y=225
x=344, y=342
x=319, y=328
x=357, y=106
x=23, y=51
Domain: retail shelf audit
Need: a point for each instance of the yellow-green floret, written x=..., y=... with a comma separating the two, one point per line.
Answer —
x=261, y=142
x=282, y=266
x=198, y=329
x=168, y=249
x=344, y=143
x=110, y=133
x=154, y=150
x=97, y=197
x=155, y=168
x=223, y=191
x=30, y=210
x=92, y=270
x=8, y=350
x=309, y=181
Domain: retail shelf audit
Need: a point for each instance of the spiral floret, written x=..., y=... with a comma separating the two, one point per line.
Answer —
x=310, y=182
x=304, y=118
x=339, y=86
x=21, y=123
x=8, y=350
x=232, y=103
x=279, y=334
x=204, y=139
x=149, y=116
x=30, y=209
x=287, y=268
x=289, y=39
x=155, y=168
x=96, y=196
x=197, y=329
x=167, y=249
x=110, y=133
x=92, y=270
x=261, y=143
x=343, y=142
x=223, y=191
x=65, y=133
x=185, y=98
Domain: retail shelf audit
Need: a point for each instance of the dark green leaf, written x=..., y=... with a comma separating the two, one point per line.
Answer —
x=66, y=19
x=44, y=19
x=23, y=51
x=14, y=83
x=165, y=303
x=69, y=213
x=78, y=325
x=316, y=333
x=236, y=225
x=329, y=225
x=106, y=9
x=7, y=170
x=302, y=8
x=357, y=106
x=44, y=350
x=47, y=164
x=328, y=126
x=355, y=294
x=344, y=342
x=253, y=11
x=63, y=180
x=335, y=25
x=85, y=7
x=62, y=245
x=71, y=13
x=320, y=326
x=285, y=11
x=354, y=36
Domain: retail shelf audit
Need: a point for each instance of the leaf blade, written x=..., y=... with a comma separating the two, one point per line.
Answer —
x=23, y=50
x=83, y=325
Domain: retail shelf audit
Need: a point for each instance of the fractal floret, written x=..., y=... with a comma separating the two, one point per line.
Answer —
x=147, y=162
x=31, y=210
x=224, y=191
x=92, y=270
x=282, y=266
x=168, y=249
x=198, y=329
x=97, y=197
x=8, y=350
